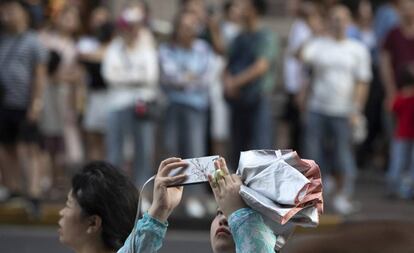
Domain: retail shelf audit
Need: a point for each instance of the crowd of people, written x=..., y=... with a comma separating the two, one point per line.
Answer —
x=344, y=72
x=78, y=84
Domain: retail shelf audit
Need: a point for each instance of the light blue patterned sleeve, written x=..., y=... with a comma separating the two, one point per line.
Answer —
x=147, y=237
x=250, y=233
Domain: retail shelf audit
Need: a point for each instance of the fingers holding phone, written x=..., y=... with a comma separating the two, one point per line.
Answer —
x=166, y=198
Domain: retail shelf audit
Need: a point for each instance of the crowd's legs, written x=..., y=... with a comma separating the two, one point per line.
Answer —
x=11, y=172
x=185, y=131
x=401, y=157
x=122, y=124
x=334, y=132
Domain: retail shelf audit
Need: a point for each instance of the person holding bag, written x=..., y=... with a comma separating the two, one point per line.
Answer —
x=130, y=68
x=236, y=227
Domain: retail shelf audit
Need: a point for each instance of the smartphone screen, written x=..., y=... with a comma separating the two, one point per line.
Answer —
x=197, y=170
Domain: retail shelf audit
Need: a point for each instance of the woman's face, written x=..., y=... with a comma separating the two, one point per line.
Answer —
x=12, y=16
x=187, y=28
x=406, y=9
x=72, y=224
x=197, y=7
x=220, y=236
x=365, y=10
x=69, y=21
x=98, y=17
x=235, y=12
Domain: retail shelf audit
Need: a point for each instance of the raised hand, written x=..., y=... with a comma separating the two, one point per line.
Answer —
x=226, y=188
x=166, y=199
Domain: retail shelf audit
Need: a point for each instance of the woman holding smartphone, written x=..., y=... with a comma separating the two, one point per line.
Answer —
x=101, y=208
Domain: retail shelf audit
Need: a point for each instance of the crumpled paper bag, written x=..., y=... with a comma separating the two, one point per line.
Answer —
x=282, y=187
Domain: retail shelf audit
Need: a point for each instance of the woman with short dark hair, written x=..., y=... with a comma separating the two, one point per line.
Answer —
x=101, y=209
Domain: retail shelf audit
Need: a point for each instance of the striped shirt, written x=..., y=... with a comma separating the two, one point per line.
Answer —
x=19, y=55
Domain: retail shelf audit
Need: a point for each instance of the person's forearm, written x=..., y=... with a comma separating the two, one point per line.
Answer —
x=96, y=56
x=172, y=78
x=159, y=213
x=36, y=103
x=217, y=41
x=252, y=73
x=303, y=95
x=117, y=78
x=250, y=233
x=387, y=74
x=118, y=75
x=360, y=96
x=147, y=77
x=148, y=236
x=298, y=54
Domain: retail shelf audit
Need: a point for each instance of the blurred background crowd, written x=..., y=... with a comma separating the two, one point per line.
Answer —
x=108, y=80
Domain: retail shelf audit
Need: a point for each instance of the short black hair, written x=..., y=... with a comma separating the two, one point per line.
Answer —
x=260, y=6
x=101, y=189
x=227, y=6
x=6, y=2
x=10, y=1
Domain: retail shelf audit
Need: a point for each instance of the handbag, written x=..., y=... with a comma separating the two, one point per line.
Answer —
x=148, y=110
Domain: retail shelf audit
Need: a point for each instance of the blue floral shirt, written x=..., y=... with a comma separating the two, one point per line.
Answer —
x=250, y=234
x=147, y=238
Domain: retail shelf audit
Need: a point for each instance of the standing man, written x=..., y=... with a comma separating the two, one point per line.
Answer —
x=341, y=71
x=249, y=79
x=22, y=76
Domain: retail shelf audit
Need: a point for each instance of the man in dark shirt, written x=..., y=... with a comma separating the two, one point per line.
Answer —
x=249, y=79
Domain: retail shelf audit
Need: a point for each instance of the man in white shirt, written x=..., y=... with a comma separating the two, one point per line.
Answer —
x=336, y=97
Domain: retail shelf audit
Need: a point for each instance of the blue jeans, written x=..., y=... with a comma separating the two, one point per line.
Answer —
x=326, y=137
x=251, y=128
x=123, y=124
x=185, y=131
x=263, y=135
x=401, y=157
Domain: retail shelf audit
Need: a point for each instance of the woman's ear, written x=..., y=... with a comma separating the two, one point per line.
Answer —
x=94, y=224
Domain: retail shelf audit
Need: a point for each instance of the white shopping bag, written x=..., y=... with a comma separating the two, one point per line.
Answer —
x=281, y=186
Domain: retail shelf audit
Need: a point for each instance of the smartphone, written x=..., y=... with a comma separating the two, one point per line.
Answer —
x=197, y=170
